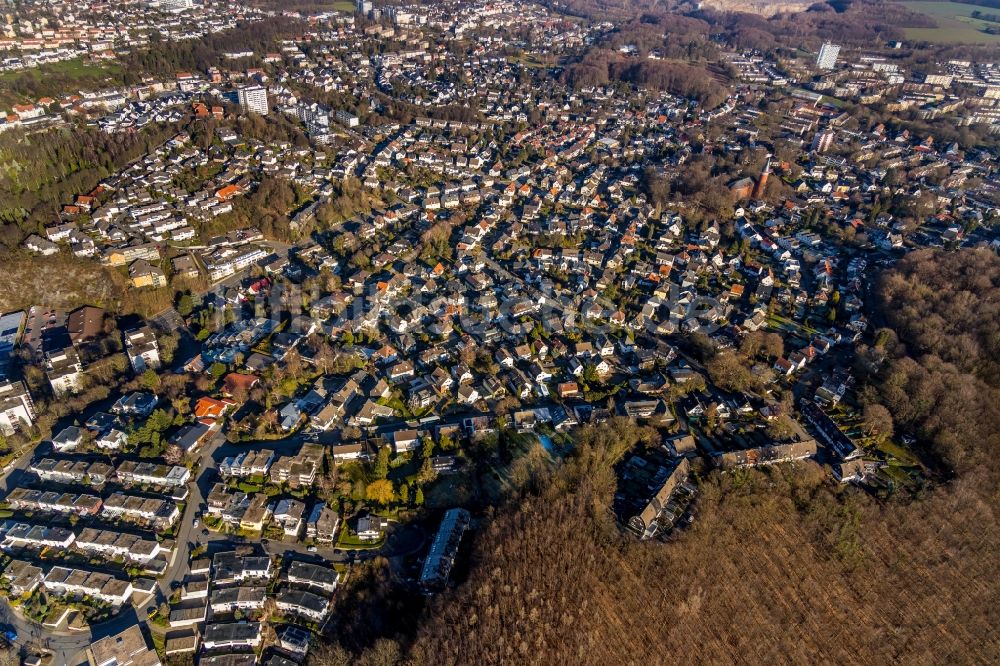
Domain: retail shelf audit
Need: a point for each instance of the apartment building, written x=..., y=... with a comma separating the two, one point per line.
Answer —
x=17, y=410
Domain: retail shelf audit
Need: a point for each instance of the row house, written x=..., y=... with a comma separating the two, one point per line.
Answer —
x=157, y=512
x=24, y=499
x=117, y=545
x=81, y=583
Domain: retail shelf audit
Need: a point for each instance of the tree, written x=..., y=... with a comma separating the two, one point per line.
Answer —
x=329, y=654
x=774, y=345
x=878, y=420
x=381, y=491
x=382, y=463
x=385, y=652
x=173, y=455
x=780, y=428
x=150, y=380
x=418, y=497
x=217, y=370
x=447, y=443
x=185, y=305
x=729, y=372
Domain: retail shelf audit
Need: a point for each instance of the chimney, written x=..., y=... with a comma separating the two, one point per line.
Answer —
x=758, y=189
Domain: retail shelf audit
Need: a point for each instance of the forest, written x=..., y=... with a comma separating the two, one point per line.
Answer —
x=165, y=59
x=600, y=67
x=942, y=375
x=43, y=171
x=781, y=565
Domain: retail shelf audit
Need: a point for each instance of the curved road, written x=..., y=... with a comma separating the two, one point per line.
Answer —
x=69, y=647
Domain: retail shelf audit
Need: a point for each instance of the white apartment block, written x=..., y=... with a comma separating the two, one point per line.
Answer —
x=142, y=348
x=17, y=410
x=253, y=98
x=827, y=58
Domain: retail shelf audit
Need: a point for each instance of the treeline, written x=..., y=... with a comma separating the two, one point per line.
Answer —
x=164, y=59
x=992, y=18
x=941, y=379
x=780, y=566
x=43, y=171
x=992, y=4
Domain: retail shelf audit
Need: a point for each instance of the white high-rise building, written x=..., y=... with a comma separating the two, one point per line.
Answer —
x=253, y=98
x=827, y=58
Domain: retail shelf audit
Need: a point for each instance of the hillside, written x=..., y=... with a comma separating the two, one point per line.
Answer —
x=794, y=573
x=780, y=567
x=760, y=7
x=58, y=281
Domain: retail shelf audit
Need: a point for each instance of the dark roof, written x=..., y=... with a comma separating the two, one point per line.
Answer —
x=85, y=323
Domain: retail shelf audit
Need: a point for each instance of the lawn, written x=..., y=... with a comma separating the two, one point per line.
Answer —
x=57, y=79
x=781, y=323
x=527, y=59
x=904, y=456
x=955, y=23
x=348, y=541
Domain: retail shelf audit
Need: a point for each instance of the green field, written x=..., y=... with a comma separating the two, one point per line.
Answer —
x=955, y=23
x=57, y=79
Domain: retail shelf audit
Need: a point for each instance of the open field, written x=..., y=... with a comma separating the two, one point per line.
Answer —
x=57, y=78
x=955, y=23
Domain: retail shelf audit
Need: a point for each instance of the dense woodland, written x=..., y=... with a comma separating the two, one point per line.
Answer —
x=165, y=59
x=782, y=565
x=600, y=67
x=942, y=376
x=41, y=172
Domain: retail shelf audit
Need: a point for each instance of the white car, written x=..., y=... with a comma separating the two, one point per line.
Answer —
x=311, y=549
x=196, y=522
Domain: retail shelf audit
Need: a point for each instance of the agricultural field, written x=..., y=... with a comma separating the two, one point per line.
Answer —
x=955, y=23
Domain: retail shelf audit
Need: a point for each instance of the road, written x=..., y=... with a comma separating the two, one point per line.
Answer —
x=69, y=647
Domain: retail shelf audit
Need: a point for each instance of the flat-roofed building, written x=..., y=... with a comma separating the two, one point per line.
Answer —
x=17, y=409
x=231, y=635
x=128, y=648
